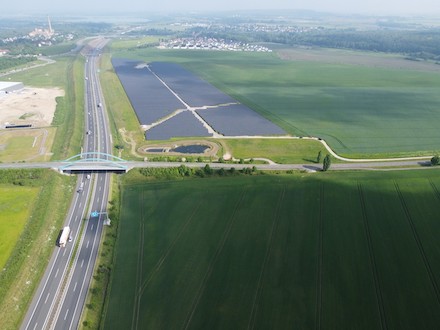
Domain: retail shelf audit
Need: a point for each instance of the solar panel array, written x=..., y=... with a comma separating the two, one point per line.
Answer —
x=150, y=99
x=193, y=90
x=184, y=124
x=154, y=93
x=239, y=120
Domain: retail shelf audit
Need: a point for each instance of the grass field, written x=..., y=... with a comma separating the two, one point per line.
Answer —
x=32, y=212
x=358, y=109
x=282, y=151
x=26, y=144
x=328, y=250
x=15, y=206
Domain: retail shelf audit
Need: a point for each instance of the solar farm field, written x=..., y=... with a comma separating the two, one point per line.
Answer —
x=328, y=250
x=238, y=120
x=145, y=91
x=159, y=91
x=183, y=125
x=364, y=109
x=193, y=90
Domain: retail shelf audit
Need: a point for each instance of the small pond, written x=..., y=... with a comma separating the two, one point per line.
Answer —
x=156, y=150
x=191, y=149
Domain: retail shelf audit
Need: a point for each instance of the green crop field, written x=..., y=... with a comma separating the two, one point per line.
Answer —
x=325, y=250
x=363, y=109
x=15, y=205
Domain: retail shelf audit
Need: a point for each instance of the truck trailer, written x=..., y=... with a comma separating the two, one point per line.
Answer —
x=64, y=236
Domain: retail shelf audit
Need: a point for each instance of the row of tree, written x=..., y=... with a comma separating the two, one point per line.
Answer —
x=7, y=62
x=326, y=163
x=416, y=44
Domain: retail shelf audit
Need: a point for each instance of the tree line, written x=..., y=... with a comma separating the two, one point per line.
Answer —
x=11, y=62
x=416, y=44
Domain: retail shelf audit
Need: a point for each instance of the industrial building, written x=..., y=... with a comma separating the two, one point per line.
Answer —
x=9, y=86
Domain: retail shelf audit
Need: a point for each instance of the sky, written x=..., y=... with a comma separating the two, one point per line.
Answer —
x=93, y=7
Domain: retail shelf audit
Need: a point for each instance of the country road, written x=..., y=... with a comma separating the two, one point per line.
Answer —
x=368, y=165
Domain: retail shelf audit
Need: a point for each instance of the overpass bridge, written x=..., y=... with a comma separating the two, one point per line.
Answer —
x=93, y=162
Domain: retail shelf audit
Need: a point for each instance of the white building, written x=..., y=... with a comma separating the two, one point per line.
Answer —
x=10, y=86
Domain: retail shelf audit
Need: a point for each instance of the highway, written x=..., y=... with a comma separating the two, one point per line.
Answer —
x=60, y=297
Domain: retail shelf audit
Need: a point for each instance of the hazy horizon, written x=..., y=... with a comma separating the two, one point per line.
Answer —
x=372, y=7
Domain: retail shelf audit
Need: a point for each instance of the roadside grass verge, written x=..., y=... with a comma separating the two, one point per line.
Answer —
x=298, y=250
x=27, y=262
x=120, y=112
x=69, y=115
x=15, y=205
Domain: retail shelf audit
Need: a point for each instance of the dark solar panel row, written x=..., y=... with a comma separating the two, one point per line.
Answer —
x=184, y=124
x=191, y=89
x=150, y=99
x=239, y=120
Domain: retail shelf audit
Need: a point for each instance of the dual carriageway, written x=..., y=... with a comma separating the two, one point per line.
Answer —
x=60, y=297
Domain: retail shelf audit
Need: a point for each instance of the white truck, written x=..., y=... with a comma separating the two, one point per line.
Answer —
x=65, y=237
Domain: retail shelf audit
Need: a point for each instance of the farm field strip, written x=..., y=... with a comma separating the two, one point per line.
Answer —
x=267, y=256
x=419, y=243
x=296, y=251
x=374, y=270
x=213, y=260
x=318, y=307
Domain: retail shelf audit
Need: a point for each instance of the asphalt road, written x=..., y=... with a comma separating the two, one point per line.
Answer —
x=60, y=297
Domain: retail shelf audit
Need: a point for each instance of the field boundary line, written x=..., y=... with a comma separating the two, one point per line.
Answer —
x=419, y=242
x=434, y=187
x=219, y=249
x=377, y=287
x=162, y=259
x=135, y=318
x=318, y=310
x=258, y=289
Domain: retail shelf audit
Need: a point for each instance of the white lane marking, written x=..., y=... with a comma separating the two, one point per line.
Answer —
x=64, y=252
x=47, y=297
x=80, y=204
x=74, y=288
x=92, y=227
x=82, y=263
x=65, y=316
x=98, y=199
x=76, y=218
x=35, y=327
x=56, y=274
x=100, y=188
x=87, y=246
